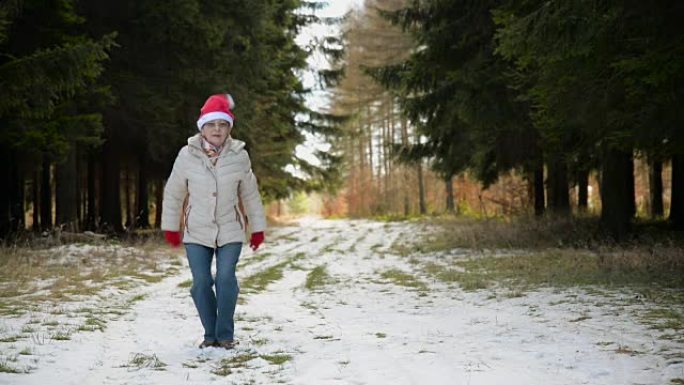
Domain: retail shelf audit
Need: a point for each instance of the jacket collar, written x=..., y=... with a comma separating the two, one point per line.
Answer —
x=195, y=146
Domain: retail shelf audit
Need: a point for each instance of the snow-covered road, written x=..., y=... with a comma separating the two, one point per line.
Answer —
x=355, y=326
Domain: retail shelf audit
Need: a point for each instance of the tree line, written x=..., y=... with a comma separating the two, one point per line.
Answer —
x=555, y=90
x=97, y=97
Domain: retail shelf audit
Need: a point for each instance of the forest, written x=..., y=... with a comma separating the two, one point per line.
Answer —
x=97, y=98
x=562, y=108
x=544, y=108
x=455, y=192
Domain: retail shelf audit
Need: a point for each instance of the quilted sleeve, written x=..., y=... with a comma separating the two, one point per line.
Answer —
x=175, y=191
x=249, y=194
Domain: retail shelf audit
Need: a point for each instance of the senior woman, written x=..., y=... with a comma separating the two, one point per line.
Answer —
x=213, y=172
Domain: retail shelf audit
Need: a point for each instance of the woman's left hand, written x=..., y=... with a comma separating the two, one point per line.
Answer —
x=256, y=240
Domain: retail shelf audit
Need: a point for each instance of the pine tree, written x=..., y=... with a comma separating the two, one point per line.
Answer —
x=45, y=64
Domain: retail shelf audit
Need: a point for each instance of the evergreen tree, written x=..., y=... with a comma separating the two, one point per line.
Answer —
x=45, y=65
x=602, y=75
x=456, y=90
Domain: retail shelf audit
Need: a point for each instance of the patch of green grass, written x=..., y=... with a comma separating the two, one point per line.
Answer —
x=139, y=361
x=456, y=274
x=26, y=351
x=255, y=258
x=323, y=337
x=92, y=324
x=227, y=365
x=186, y=284
x=558, y=268
x=82, y=290
x=7, y=368
x=679, y=381
x=381, y=335
x=136, y=298
x=61, y=336
x=11, y=311
x=116, y=312
x=583, y=255
x=276, y=359
x=376, y=247
x=329, y=249
x=402, y=278
x=9, y=339
x=318, y=278
x=665, y=318
x=150, y=278
x=261, y=341
x=309, y=305
x=259, y=281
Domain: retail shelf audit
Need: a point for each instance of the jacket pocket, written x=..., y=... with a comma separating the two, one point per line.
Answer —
x=238, y=217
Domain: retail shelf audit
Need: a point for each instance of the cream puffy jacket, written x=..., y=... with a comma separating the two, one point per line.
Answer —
x=212, y=216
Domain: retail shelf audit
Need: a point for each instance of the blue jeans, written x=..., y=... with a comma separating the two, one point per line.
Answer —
x=216, y=311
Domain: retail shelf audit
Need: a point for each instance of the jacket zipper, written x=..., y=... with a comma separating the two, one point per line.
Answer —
x=237, y=217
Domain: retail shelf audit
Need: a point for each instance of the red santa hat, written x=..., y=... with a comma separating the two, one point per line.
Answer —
x=218, y=106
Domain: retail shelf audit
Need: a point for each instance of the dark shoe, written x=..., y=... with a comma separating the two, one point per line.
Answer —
x=227, y=344
x=208, y=344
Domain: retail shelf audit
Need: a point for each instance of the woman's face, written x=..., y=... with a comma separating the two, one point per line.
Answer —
x=216, y=131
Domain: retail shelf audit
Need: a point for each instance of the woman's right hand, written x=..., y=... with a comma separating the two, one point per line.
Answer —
x=173, y=238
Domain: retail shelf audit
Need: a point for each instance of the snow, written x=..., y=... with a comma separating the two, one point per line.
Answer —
x=358, y=329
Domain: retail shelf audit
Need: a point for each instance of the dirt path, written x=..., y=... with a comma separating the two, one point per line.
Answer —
x=360, y=321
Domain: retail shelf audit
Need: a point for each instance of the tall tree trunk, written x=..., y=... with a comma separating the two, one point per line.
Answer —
x=130, y=220
x=45, y=195
x=617, y=192
x=677, y=201
x=630, y=187
x=16, y=186
x=143, y=209
x=371, y=168
x=362, y=190
x=559, y=196
x=91, y=210
x=80, y=191
x=159, y=197
x=450, y=206
x=583, y=190
x=5, y=165
x=539, y=198
x=405, y=171
x=36, y=201
x=110, y=205
x=655, y=182
x=66, y=193
x=421, y=189
x=391, y=190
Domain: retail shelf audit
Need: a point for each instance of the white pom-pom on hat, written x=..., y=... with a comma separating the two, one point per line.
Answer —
x=217, y=106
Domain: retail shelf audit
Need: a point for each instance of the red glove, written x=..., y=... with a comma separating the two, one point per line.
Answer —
x=173, y=238
x=256, y=240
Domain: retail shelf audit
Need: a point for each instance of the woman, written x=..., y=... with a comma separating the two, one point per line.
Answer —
x=213, y=172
